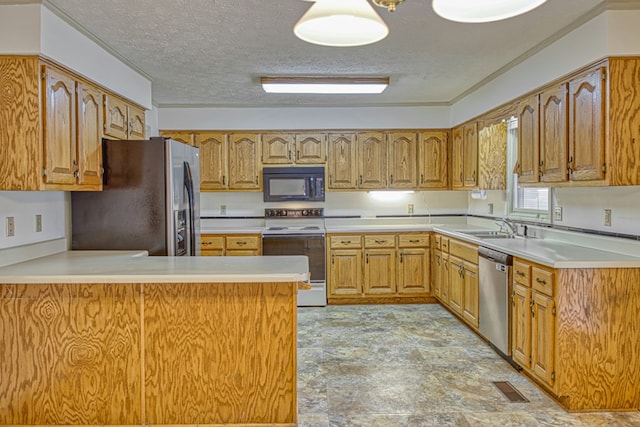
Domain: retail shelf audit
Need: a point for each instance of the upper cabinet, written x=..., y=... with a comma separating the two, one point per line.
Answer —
x=554, y=133
x=464, y=163
x=294, y=148
x=372, y=156
x=433, y=148
x=528, y=140
x=342, y=167
x=214, y=173
x=245, y=169
x=402, y=159
x=50, y=132
x=122, y=120
x=492, y=157
x=180, y=136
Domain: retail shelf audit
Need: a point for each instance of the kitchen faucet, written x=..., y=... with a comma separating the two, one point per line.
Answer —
x=502, y=222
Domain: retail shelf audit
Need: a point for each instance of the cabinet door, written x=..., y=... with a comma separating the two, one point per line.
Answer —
x=89, y=135
x=343, y=167
x=213, y=160
x=402, y=159
x=470, y=156
x=211, y=245
x=436, y=273
x=471, y=302
x=372, y=156
x=379, y=271
x=445, y=279
x=521, y=325
x=311, y=148
x=432, y=159
x=136, y=123
x=528, y=140
x=414, y=271
x=115, y=117
x=345, y=272
x=244, y=161
x=277, y=148
x=456, y=284
x=492, y=157
x=543, y=338
x=185, y=137
x=586, y=127
x=457, y=152
x=59, y=105
x=554, y=134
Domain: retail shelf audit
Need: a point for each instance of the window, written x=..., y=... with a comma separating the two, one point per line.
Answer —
x=525, y=203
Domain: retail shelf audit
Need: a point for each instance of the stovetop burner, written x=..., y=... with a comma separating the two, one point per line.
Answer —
x=294, y=221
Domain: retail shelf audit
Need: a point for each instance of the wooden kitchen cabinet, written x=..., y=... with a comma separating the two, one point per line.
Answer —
x=528, y=140
x=372, y=160
x=492, y=157
x=402, y=162
x=231, y=245
x=464, y=163
x=186, y=137
x=378, y=268
x=294, y=148
x=433, y=148
x=456, y=284
x=245, y=168
x=554, y=133
x=471, y=292
x=214, y=172
x=342, y=165
x=52, y=132
x=122, y=120
x=533, y=320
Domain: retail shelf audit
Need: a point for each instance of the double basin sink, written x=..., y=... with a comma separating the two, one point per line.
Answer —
x=491, y=235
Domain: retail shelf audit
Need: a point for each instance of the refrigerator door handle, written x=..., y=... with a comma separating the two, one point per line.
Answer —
x=188, y=182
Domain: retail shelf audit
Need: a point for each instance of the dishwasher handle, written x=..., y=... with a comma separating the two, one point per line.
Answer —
x=495, y=256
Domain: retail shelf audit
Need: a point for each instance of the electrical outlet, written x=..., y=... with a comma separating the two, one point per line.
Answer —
x=557, y=213
x=223, y=209
x=11, y=227
x=490, y=208
x=38, y=223
x=607, y=217
x=410, y=208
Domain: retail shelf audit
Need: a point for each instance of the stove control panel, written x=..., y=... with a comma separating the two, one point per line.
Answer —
x=295, y=213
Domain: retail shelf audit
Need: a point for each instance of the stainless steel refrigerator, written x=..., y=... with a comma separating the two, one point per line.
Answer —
x=150, y=200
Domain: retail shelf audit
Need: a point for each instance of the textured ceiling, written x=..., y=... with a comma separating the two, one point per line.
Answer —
x=213, y=52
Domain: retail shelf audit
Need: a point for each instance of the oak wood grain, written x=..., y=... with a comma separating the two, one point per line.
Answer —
x=492, y=157
x=70, y=354
x=220, y=354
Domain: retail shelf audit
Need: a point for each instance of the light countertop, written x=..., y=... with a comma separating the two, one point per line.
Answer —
x=136, y=267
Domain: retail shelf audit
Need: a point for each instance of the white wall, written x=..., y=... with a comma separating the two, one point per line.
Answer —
x=20, y=29
x=348, y=203
x=304, y=118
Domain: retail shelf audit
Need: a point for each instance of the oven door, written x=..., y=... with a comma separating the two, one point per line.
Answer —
x=310, y=245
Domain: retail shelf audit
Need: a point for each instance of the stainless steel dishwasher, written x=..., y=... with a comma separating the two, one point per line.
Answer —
x=494, y=271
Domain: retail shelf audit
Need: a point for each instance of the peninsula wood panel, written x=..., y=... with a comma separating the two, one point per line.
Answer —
x=71, y=354
x=492, y=157
x=20, y=128
x=598, y=339
x=220, y=353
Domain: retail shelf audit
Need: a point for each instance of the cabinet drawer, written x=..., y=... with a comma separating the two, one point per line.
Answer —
x=464, y=250
x=242, y=242
x=413, y=240
x=444, y=244
x=211, y=242
x=352, y=242
x=521, y=273
x=542, y=280
x=380, y=241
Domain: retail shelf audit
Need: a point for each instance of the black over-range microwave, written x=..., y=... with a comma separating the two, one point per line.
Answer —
x=283, y=184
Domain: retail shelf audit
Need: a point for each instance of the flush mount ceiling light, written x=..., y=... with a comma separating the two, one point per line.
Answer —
x=341, y=23
x=325, y=85
x=389, y=4
x=476, y=11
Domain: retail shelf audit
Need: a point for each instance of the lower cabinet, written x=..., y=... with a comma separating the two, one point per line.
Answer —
x=366, y=268
x=231, y=244
x=533, y=320
x=458, y=278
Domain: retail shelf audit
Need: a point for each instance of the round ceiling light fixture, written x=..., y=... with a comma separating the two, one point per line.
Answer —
x=341, y=23
x=477, y=11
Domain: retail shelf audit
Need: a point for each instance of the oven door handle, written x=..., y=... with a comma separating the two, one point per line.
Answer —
x=292, y=236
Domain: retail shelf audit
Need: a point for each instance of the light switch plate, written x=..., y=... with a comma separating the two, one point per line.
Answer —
x=11, y=226
x=607, y=217
x=38, y=223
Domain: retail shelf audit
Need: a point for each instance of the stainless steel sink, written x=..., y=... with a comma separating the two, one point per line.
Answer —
x=490, y=235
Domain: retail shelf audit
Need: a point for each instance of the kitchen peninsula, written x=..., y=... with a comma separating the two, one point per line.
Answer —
x=119, y=338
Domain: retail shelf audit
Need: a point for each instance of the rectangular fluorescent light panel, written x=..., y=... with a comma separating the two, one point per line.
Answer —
x=325, y=85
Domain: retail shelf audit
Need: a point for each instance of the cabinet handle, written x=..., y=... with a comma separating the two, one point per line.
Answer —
x=414, y=241
x=289, y=154
x=520, y=273
x=542, y=282
x=333, y=259
x=367, y=259
x=360, y=179
x=461, y=177
x=533, y=313
x=345, y=242
x=473, y=176
x=256, y=179
x=241, y=243
x=401, y=257
x=421, y=178
x=224, y=180
x=438, y=261
x=391, y=177
x=298, y=155
x=207, y=243
x=380, y=241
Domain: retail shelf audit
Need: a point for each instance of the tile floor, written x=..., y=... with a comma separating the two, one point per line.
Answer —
x=413, y=365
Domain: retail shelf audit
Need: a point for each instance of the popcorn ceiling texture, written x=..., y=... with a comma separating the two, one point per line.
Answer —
x=213, y=52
